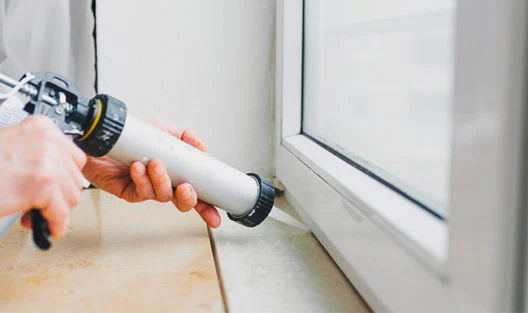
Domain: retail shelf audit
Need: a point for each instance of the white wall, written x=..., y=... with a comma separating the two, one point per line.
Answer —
x=206, y=65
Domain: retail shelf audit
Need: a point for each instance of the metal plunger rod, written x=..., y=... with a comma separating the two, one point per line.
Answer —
x=26, y=90
x=10, y=82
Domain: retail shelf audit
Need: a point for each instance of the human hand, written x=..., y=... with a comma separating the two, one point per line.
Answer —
x=41, y=168
x=138, y=182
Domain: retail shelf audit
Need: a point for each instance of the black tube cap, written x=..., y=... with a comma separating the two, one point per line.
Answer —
x=103, y=131
x=262, y=207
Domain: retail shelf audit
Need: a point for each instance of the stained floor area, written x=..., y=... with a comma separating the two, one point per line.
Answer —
x=122, y=257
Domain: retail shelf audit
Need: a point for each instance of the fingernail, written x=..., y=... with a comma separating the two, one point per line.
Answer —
x=56, y=236
x=138, y=169
x=159, y=169
x=216, y=221
x=187, y=193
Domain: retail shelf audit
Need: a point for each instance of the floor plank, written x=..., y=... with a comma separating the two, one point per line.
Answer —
x=278, y=268
x=117, y=257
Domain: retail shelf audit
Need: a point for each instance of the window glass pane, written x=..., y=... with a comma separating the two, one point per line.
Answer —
x=377, y=89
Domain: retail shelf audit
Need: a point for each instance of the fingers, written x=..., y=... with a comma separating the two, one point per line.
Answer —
x=189, y=136
x=166, y=127
x=185, y=198
x=56, y=212
x=45, y=127
x=72, y=183
x=25, y=220
x=52, y=171
x=185, y=134
x=57, y=217
x=144, y=189
x=77, y=155
x=208, y=213
x=160, y=181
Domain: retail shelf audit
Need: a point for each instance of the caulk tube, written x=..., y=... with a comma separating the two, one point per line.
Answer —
x=215, y=182
x=247, y=198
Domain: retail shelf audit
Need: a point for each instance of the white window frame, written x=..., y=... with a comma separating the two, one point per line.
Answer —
x=474, y=261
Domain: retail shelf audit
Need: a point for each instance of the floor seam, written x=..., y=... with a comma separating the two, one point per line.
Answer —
x=218, y=270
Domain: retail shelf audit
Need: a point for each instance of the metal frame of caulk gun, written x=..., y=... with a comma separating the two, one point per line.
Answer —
x=102, y=126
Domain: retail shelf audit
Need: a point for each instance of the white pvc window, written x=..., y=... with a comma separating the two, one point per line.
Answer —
x=401, y=139
x=378, y=82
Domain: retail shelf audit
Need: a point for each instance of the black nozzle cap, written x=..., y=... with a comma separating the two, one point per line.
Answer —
x=262, y=207
x=103, y=131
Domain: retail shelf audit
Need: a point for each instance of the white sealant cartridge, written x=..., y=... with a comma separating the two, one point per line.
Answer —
x=215, y=182
x=248, y=198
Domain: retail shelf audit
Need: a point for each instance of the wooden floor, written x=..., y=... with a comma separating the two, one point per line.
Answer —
x=121, y=257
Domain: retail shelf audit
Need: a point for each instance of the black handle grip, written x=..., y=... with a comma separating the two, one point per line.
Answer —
x=41, y=233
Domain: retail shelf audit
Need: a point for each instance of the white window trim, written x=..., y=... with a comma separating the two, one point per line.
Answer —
x=390, y=267
x=419, y=229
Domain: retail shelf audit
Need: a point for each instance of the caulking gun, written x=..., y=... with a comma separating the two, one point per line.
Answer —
x=101, y=126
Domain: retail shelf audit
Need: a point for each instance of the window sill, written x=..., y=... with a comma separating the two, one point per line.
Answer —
x=418, y=230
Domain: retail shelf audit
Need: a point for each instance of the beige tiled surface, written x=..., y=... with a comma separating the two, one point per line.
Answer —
x=275, y=267
x=121, y=257
x=117, y=257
